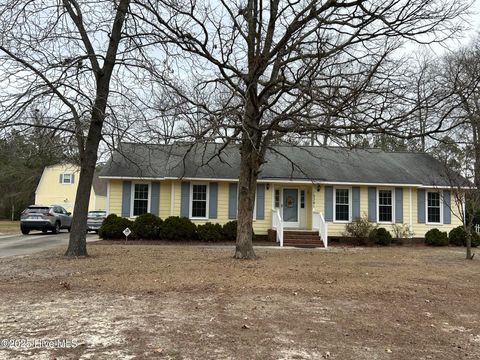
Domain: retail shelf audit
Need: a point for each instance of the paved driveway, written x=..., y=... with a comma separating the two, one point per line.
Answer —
x=19, y=244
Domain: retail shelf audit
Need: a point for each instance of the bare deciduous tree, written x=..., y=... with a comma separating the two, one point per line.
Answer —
x=282, y=67
x=64, y=54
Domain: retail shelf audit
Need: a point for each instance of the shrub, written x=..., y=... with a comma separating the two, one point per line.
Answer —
x=435, y=237
x=475, y=239
x=359, y=228
x=458, y=236
x=178, y=229
x=113, y=226
x=380, y=236
x=147, y=226
x=210, y=232
x=230, y=230
x=401, y=232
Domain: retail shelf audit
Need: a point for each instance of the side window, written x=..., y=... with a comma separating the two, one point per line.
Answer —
x=66, y=178
x=433, y=207
x=199, y=201
x=277, y=198
x=385, y=206
x=140, y=199
x=342, y=205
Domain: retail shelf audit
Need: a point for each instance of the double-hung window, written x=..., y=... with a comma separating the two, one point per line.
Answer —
x=385, y=206
x=140, y=199
x=199, y=201
x=66, y=178
x=342, y=205
x=433, y=207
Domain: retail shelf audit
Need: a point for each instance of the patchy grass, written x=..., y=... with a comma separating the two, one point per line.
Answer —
x=176, y=302
x=8, y=227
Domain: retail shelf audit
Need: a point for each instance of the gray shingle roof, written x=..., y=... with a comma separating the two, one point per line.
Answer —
x=318, y=164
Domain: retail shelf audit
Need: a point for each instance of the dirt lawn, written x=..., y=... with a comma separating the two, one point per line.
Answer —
x=189, y=302
x=8, y=227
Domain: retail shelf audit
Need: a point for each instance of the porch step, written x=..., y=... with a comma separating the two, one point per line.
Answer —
x=302, y=239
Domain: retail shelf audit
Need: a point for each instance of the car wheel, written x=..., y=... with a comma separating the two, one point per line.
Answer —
x=56, y=229
x=44, y=231
x=69, y=228
x=25, y=231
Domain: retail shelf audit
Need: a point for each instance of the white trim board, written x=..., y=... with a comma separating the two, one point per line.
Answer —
x=287, y=181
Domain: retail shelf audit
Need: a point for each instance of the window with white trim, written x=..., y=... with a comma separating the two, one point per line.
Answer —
x=342, y=205
x=385, y=206
x=434, y=207
x=302, y=199
x=66, y=179
x=199, y=201
x=277, y=198
x=140, y=199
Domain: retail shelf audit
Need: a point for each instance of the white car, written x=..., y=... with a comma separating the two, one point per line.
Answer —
x=95, y=219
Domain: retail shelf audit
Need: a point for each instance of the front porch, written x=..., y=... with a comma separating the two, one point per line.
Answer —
x=295, y=219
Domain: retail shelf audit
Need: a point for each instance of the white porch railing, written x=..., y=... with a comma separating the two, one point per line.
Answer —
x=318, y=223
x=277, y=224
x=477, y=229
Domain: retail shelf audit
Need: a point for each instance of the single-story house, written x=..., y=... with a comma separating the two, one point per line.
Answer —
x=303, y=192
x=58, y=186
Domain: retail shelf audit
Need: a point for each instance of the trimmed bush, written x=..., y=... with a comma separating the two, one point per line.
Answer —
x=178, y=229
x=230, y=230
x=113, y=226
x=380, y=236
x=210, y=232
x=435, y=237
x=458, y=236
x=147, y=226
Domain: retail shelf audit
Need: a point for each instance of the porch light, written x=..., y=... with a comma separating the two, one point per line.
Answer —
x=318, y=187
x=268, y=186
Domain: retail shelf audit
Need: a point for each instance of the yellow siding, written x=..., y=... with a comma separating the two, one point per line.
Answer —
x=51, y=192
x=115, y=197
x=165, y=204
x=100, y=203
x=261, y=226
x=338, y=229
x=419, y=230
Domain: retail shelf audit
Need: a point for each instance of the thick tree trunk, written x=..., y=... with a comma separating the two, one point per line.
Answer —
x=476, y=149
x=247, y=184
x=469, y=246
x=77, y=245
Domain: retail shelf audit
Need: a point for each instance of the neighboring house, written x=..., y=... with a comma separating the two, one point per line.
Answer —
x=299, y=188
x=58, y=186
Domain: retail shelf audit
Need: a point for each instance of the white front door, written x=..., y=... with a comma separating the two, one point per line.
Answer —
x=291, y=207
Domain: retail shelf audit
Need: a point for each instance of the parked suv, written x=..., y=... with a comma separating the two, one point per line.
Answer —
x=95, y=219
x=44, y=218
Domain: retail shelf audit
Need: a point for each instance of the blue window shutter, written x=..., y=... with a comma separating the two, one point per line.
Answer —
x=372, y=204
x=72, y=178
x=398, y=205
x=126, y=198
x=61, y=178
x=328, y=203
x=260, y=201
x=447, y=207
x=355, y=203
x=155, y=198
x=421, y=206
x=232, y=201
x=185, y=200
x=212, y=201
